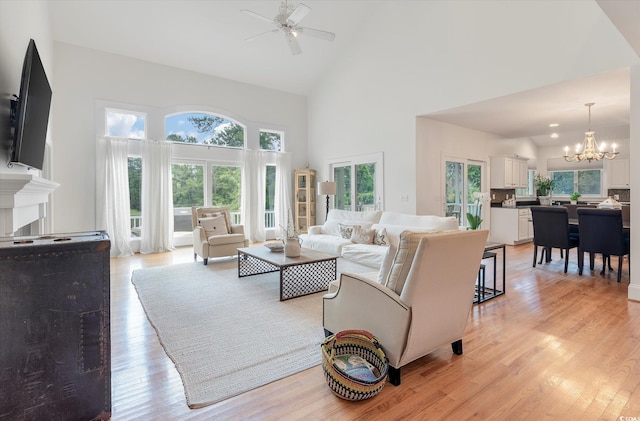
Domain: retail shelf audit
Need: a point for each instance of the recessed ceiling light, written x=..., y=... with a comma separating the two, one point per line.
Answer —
x=554, y=135
x=554, y=125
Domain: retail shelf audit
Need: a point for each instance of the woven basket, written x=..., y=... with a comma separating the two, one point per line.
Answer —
x=362, y=344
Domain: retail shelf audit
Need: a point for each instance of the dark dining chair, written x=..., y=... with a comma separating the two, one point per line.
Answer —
x=601, y=231
x=551, y=230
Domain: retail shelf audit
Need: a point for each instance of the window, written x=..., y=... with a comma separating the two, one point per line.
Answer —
x=270, y=197
x=135, y=188
x=188, y=191
x=271, y=140
x=462, y=178
x=205, y=129
x=358, y=183
x=587, y=182
x=127, y=124
x=226, y=189
x=529, y=190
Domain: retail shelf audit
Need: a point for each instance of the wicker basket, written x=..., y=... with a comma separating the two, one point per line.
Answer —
x=364, y=345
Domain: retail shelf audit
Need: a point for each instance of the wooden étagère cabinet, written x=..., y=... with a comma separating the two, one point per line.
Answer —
x=305, y=199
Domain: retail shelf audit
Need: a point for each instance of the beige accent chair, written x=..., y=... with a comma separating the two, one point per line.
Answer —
x=216, y=245
x=419, y=301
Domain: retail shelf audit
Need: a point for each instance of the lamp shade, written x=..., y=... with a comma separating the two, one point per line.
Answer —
x=326, y=187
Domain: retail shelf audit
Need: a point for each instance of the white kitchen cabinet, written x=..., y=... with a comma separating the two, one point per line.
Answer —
x=618, y=173
x=511, y=225
x=507, y=172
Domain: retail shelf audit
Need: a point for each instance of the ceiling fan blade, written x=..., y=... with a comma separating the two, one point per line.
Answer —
x=260, y=34
x=256, y=15
x=294, y=46
x=317, y=33
x=298, y=14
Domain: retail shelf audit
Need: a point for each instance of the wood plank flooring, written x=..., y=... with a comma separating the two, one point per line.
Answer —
x=555, y=347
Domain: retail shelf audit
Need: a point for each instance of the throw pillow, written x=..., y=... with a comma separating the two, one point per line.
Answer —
x=385, y=268
x=403, y=259
x=362, y=236
x=215, y=225
x=380, y=238
x=346, y=230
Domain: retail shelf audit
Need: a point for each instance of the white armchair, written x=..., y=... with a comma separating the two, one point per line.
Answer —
x=207, y=245
x=420, y=300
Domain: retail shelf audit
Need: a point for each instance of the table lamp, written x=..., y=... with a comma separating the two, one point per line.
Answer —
x=328, y=188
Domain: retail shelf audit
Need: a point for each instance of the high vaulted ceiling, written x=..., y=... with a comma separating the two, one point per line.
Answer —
x=209, y=37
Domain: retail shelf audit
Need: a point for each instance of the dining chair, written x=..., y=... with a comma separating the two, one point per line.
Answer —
x=601, y=231
x=551, y=230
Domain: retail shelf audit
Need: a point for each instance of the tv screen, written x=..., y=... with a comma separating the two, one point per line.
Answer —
x=32, y=114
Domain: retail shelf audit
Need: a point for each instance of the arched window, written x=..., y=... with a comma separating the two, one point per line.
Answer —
x=204, y=129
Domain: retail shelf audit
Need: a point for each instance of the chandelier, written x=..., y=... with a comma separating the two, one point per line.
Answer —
x=589, y=149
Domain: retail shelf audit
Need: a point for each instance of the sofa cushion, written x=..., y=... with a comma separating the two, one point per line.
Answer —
x=365, y=254
x=362, y=235
x=338, y=216
x=432, y=223
x=325, y=243
x=214, y=225
x=218, y=240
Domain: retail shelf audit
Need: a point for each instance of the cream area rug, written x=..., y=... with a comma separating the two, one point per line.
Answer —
x=227, y=335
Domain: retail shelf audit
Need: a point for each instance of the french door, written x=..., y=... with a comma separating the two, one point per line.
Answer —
x=463, y=178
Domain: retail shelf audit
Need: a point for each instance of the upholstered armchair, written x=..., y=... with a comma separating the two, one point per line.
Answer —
x=214, y=235
x=419, y=301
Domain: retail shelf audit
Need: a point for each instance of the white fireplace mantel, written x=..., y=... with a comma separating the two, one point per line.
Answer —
x=23, y=200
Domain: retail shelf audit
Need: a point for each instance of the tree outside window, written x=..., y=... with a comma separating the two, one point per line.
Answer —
x=135, y=188
x=270, y=140
x=205, y=129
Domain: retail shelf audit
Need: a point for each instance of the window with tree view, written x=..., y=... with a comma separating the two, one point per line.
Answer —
x=270, y=140
x=205, y=129
x=135, y=187
x=226, y=189
x=188, y=191
x=587, y=182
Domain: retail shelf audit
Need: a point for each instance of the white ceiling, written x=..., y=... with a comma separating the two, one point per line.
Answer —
x=208, y=37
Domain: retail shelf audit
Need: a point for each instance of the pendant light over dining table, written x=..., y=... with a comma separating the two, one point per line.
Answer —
x=589, y=150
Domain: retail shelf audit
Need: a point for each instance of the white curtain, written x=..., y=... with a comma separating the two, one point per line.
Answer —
x=282, y=203
x=253, y=195
x=157, y=197
x=117, y=210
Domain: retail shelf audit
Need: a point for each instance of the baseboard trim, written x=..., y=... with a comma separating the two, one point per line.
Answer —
x=634, y=292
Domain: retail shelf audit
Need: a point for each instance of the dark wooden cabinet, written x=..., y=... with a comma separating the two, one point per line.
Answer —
x=55, y=356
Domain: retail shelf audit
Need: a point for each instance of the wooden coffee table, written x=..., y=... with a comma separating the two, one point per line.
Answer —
x=309, y=273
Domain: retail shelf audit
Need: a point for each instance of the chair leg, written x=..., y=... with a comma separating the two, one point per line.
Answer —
x=580, y=261
x=566, y=260
x=561, y=256
x=535, y=254
x=206, y=261
x=195, y=257
x=609, y=260
x=592, y=260
x=394, y=376
x=619, y=267
x=457, y=347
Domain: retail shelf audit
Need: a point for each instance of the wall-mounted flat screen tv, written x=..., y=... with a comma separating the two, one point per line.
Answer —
x=32, y=113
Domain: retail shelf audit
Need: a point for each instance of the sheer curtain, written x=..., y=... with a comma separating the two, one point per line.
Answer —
x=282, y=203
x=253, y=195
x=117, y=209
x=157, y=197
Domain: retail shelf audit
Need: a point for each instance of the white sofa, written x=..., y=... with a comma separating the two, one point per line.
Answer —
x=388, y=225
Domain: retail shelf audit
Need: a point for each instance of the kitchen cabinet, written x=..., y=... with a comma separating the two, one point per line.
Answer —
x=511, y=225
x=618, y=173
x=508, y=172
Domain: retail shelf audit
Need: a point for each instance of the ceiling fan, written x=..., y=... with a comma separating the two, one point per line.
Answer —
x=287, y=20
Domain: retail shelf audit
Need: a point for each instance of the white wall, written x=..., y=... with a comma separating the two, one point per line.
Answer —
x=85, y=76
x=422, y=57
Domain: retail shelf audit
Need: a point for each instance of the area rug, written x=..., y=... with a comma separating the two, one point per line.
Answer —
x=227, y=335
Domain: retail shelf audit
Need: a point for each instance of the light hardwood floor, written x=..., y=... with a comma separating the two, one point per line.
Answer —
x=555, y=346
